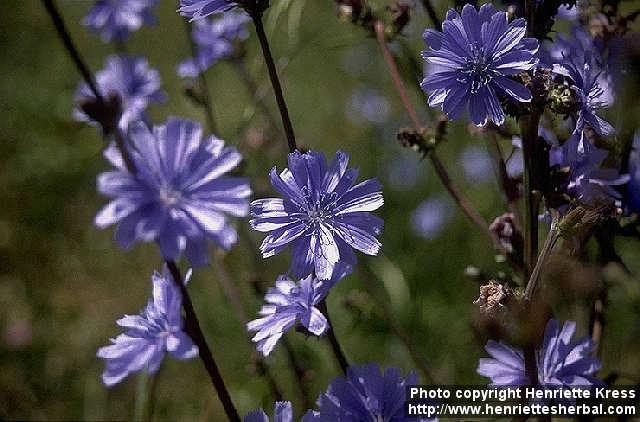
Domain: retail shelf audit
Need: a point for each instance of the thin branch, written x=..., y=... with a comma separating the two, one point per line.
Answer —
x=547, y=248
x=432, y=14
x=440, y=169
x=333, y=340
x=64, y=35
x=192, y=327
x=275, y=80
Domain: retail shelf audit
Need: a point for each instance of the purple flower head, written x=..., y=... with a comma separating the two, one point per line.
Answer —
x=633, y=187
x=281, y=413
x=323, y=215
x=476, y=53
x=290, y=302
x=156, y=330
x=178, y=196
x=214, y=41
x=581, y=60
x=560, y=362
x=132, y=80
x=198, y=9
x=366, y=394
x=115, y=20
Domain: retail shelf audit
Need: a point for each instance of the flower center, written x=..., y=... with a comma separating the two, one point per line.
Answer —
x=476, y=70
x=169, y=196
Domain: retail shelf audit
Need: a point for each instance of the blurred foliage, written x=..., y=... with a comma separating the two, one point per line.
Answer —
x=63, y=283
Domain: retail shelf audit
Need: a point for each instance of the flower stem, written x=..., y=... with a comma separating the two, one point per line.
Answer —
x=64, y=35
x=205, y=96
x=547, y=247
x=275, y=81
x=192, y=327
x=333, y=340
x=440, y=169
x=529, y=129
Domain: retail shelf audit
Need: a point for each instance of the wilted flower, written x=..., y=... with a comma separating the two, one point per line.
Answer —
x=366, y=394
x=148, y=336
x=476, y=53
x=289, y=303
x=214, y=41
x=281, y=413
x=116, y=19
x=504, y=228
x=322, y=215
x=132, y=80
x=560, y=362
x=178, y=196
x=198, y=9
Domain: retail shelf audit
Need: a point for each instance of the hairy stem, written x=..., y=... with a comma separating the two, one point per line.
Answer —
x=275, y=80
x=192, y=327
x=333, y=340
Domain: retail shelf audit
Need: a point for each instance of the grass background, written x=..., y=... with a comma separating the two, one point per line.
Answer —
x=63, y=283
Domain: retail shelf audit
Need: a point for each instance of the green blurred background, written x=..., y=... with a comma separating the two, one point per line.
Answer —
x=63, y=283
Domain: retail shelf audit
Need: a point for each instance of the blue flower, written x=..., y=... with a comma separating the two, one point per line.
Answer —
x=476, y=52
x=116, y=19
x=560, y=362
x=588, y=181
x=366, y=394
x=281, y=413
x=215, y=41
x=580, y=59
x=198, y=9
x=323, y=214
x=132, y=80
x=178, y=195
x=148, y=336
x=289, y=303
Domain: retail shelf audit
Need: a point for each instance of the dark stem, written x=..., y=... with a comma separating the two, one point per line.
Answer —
x=508, y=185
x=112, y=127
x=192, y=327
x=529, y=129
x=549, y=243
x=333, y=340
x=275, y=81
x=64, y=35
x=432, y=14
x=205, y=96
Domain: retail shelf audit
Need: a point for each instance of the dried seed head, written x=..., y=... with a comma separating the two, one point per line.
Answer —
x=493, y=297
